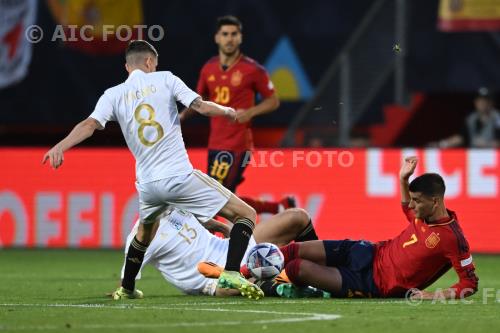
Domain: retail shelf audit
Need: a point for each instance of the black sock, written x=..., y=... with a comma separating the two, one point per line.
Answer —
x=269, y=287
x=238, y=242
x=133, y=263
x=307, y=234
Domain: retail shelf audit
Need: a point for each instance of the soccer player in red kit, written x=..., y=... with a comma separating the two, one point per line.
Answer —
x=233, y=79
x=404, y=266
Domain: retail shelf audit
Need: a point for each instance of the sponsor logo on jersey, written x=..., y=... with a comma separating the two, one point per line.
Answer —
x=176, y=223
x=211, y=78
x=177, y=218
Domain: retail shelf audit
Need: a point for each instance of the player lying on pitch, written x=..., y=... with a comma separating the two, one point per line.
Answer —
x=181, y=243
x=431, y=244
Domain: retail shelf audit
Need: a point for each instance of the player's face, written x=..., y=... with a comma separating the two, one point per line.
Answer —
x=423, y=205
x=228, y=38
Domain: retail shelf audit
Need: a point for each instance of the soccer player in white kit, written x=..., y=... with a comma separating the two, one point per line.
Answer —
x=145, y=107
x=181, y=243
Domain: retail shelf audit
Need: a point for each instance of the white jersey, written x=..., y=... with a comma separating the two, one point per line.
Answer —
x=145, y=107
x=180, y=243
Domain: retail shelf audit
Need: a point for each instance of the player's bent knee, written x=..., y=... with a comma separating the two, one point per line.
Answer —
x=300, y=214
x=248, y=212
x=238, y=208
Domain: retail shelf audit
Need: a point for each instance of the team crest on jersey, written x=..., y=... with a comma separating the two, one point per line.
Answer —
x=236, y=78
x=432, y=240
x=211, y=78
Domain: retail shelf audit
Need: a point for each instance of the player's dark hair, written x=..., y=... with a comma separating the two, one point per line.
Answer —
x=139, y=47
x=429, y=184
x=228, y=20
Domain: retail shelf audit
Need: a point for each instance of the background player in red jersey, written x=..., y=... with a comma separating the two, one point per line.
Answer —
x=431, y=244
x=233, y=79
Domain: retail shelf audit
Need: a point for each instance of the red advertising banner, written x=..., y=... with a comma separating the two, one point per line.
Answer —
x=90, y=202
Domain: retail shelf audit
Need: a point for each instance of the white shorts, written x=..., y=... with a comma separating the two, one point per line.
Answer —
x=195, y=192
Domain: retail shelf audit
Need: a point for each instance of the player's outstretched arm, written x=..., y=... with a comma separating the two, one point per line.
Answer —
x=407, y=169
x=442, y=294
x=212, y=109
x=186, y=114
x=80, y=132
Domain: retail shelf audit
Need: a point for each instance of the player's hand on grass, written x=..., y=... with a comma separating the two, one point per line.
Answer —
x=408, y=168
x=243, y=116
x=422, y=294
x=55, y=157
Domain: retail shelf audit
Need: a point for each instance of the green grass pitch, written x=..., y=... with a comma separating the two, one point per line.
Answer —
x=64, y=291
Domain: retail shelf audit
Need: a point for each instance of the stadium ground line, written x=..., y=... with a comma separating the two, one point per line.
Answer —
x=243, y=302
x=306, y=316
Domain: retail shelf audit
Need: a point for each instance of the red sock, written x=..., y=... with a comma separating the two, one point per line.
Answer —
x=290, y=252
x=261, y=206
x=292, y=270
x=245, y=271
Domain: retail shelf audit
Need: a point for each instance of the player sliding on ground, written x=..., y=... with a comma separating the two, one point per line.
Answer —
x=145, y=107
x=181, y=243
x=432, y=243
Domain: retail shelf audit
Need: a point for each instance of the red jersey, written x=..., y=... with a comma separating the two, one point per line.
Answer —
x=235, y=87
x=421, y=254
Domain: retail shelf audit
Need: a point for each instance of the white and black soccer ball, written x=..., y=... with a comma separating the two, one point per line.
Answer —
x=265, y=261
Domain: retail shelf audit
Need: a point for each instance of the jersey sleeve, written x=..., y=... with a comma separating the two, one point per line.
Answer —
x=201, y=86
x=181, y=91
x=459, y=255
x=409, y=213
x=263, y=84
x=103, y=111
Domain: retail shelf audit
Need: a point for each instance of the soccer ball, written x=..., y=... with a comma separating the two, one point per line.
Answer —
x=265, y=261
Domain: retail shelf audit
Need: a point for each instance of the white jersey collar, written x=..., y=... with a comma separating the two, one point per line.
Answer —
x=135, y=72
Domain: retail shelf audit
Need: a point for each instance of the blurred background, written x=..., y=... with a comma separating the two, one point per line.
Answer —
x=379, y=78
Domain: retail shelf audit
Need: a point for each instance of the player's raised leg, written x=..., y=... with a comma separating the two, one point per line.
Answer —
x=291, y=225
